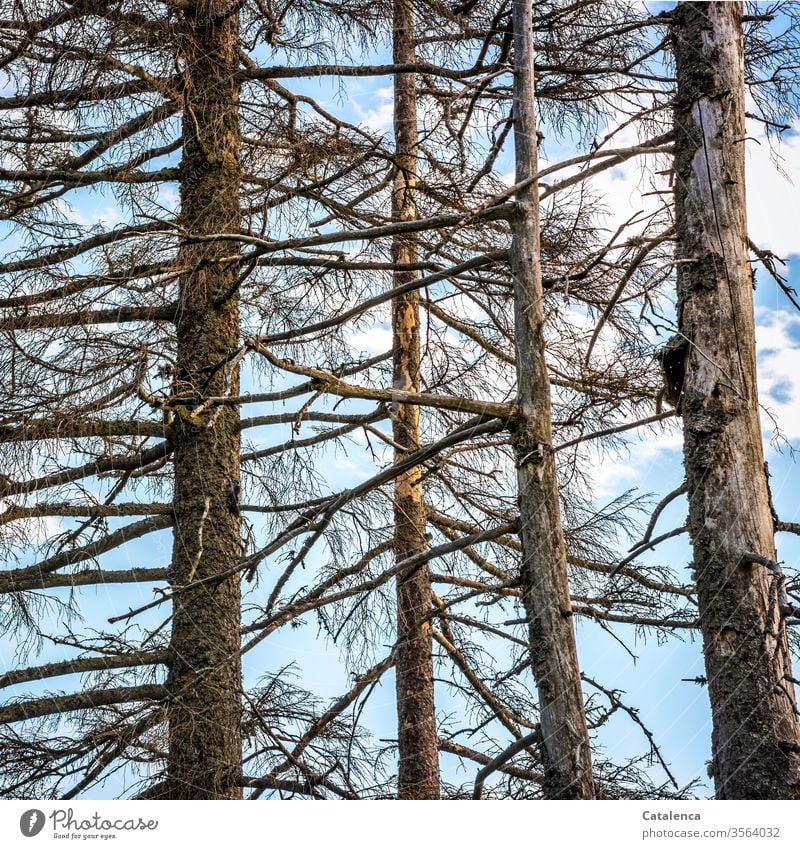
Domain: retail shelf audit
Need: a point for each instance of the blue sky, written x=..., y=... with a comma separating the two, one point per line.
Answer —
x=676, y=711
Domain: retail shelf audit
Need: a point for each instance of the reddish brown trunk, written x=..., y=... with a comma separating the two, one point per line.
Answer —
x=418, y=769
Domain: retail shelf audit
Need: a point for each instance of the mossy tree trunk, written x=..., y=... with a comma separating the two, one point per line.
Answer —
x=205, y=745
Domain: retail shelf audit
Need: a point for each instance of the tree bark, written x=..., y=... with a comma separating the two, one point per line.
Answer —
x=756, y=737
x=418, y=767
x=205, y=745
x=566, y=753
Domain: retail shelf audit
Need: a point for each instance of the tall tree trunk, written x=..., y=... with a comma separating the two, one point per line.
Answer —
x=205, y=746
x=756, y=737
x=418, y=769
x=545, y=588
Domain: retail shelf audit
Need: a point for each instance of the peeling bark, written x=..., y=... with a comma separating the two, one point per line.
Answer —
x=566, y=754
x=205, y=746
x=418, y=744
x=756, y=736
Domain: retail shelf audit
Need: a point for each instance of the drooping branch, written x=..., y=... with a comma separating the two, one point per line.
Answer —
x=86, y=700
x=15, y=580
x=80, y=665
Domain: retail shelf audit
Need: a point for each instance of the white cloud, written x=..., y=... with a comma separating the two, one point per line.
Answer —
x=35, y=531
x=773, y=200
x=105, y=216
x=647, y=457
x=646, y=464
x=378, y=115
x=374, y=340
x=778, y=346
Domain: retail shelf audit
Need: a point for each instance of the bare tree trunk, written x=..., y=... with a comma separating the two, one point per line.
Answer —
x=205, y=746
x=418, y=768
x=756, y=737
x=545, y=588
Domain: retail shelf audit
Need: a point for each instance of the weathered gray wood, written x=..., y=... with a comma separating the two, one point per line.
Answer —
x=756, y=737
x=566, y=754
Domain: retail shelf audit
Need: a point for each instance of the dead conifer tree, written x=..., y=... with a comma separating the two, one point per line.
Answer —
x=418, y=748
x=740, y=586
x=205, y=744
x=545, y=589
